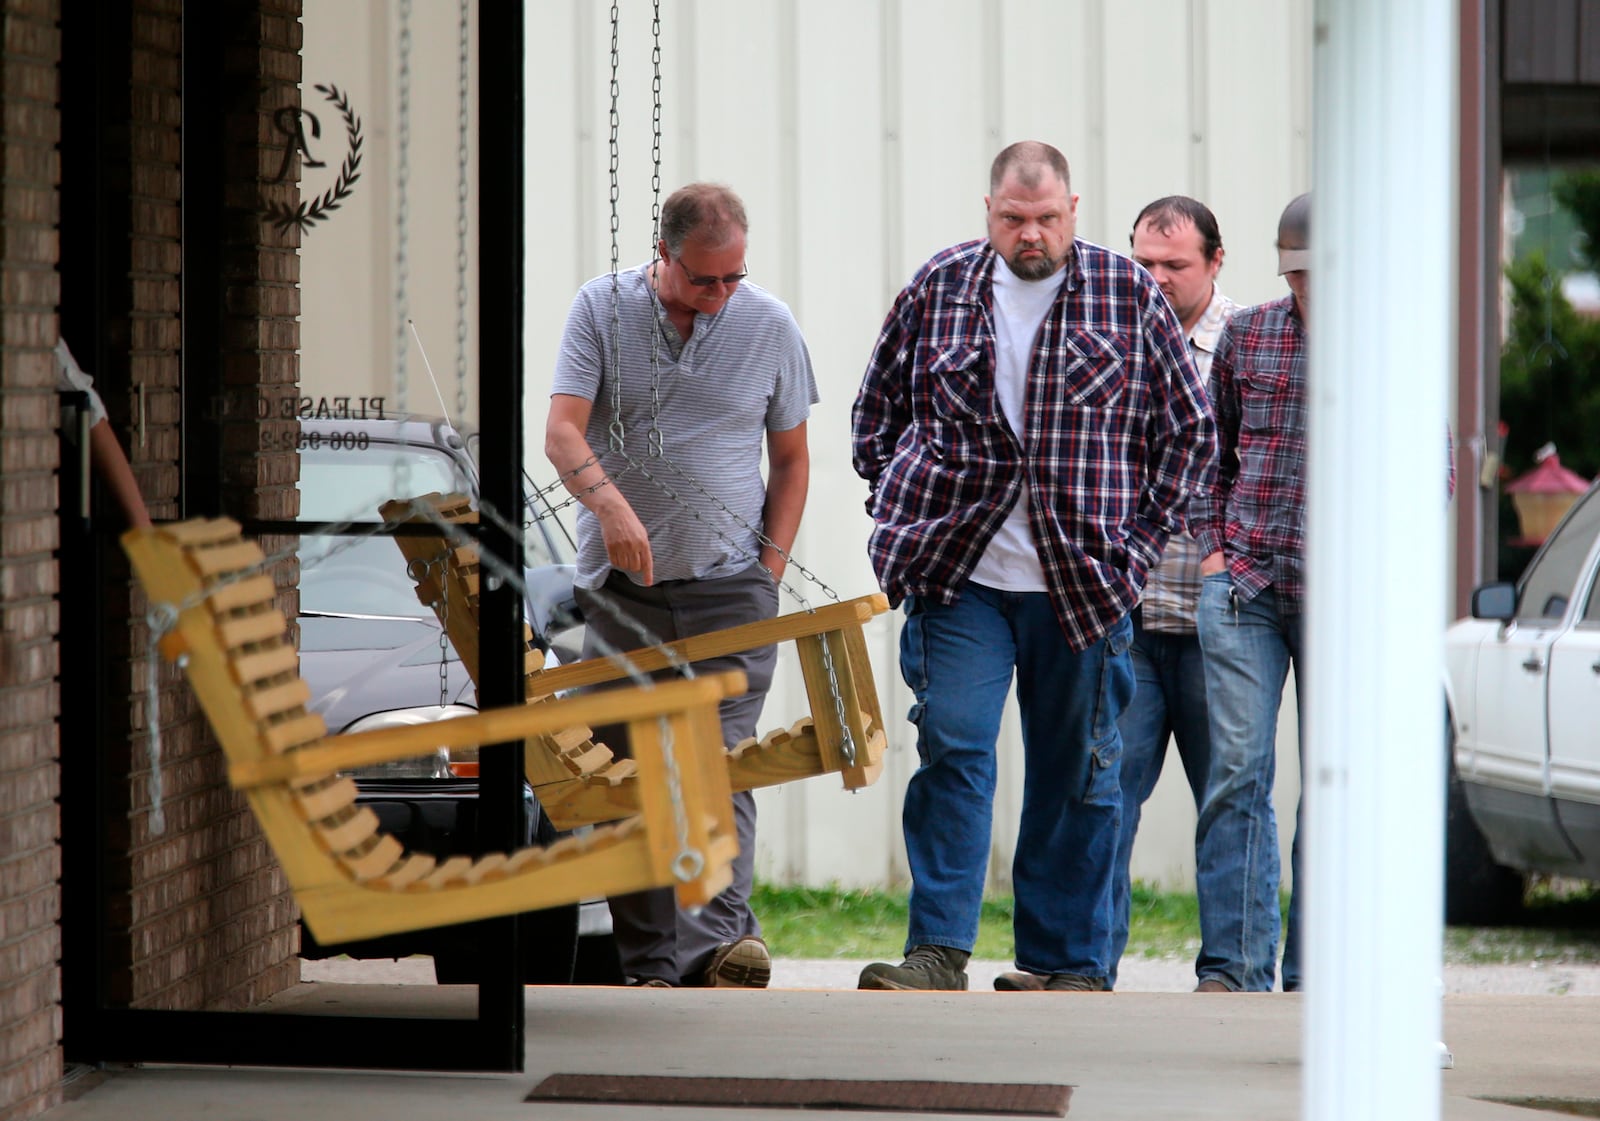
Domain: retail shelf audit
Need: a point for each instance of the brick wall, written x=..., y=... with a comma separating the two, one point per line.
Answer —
x=30, y=904
x=199, y=916
x=207, y=920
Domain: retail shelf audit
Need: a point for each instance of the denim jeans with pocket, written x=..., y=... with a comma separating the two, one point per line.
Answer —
x=959, y=661
x=1249, y=649
x=1169, y=701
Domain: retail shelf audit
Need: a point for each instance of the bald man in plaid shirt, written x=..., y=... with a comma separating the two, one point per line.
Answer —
x=1031, y=426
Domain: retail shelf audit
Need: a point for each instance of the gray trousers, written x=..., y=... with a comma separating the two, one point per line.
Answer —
x=655, y=938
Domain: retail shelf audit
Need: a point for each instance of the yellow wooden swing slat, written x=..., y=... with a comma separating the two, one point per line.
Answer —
x=350, y=878
x=579, y=781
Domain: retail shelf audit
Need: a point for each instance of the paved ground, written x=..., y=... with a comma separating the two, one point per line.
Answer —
x=1130, y=1056
x=1139, y=975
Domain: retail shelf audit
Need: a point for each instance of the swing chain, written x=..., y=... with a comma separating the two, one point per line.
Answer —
x=847, y=741
x=573, y=497
x=442, y=574
x=617, y=433
x=647, y=637
x=690, y=861
x=760, y=536
x=402, y=176
x=463, y=168
x=160, y=620
x=500, y=570
x=655, y=440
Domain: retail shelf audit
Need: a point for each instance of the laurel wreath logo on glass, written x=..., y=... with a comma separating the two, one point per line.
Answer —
x=291, y=121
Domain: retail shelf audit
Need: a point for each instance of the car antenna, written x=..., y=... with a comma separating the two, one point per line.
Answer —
x=437, y=392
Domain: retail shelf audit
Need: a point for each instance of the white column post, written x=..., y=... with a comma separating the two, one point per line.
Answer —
x=1382, y=346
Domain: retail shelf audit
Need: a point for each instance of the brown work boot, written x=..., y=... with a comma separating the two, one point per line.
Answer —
x=1212, y=985
x=925, y=967
x=744, y=964
x=1054, y=983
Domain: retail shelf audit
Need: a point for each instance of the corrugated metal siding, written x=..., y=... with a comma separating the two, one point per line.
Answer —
x=860, y=134
x=1551, y=41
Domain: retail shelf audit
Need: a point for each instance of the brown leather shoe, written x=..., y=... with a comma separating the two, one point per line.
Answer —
x=745, y=964
x=1212, y=985
x=1055, y=983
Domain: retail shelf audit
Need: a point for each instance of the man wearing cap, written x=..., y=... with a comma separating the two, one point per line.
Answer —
x=1251, y=532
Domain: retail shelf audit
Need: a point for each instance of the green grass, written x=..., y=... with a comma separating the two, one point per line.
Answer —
x=1558, y=926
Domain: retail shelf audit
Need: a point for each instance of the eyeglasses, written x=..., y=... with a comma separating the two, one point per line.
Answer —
x=707, y=281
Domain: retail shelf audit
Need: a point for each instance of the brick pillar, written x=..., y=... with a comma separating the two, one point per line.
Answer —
x=30, y=904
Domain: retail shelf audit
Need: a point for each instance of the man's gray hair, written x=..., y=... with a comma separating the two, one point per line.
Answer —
x=1027, y=160
x=709, y=213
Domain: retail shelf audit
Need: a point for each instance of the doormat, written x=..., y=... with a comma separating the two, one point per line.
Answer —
x=995, y=1099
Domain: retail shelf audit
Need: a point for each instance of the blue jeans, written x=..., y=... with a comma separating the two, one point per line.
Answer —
x=1249, y=648
x=1169, y=700
x=958, y=661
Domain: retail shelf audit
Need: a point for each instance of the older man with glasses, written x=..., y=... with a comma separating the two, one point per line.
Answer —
x=682, y=363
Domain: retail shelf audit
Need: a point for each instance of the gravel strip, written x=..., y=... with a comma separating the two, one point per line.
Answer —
x=1139, y=975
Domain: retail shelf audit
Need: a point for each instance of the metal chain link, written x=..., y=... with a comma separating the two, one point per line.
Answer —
x=617, y=433
x=847, y=745
x=655, y=442
x=402, y=215
x=761, y=537
x=502, y=570
x=573, y=497
x=847, y=741
x=159, y=620
x=463, y=168
x=655, y=128
x=689, y=862
x=441, y=573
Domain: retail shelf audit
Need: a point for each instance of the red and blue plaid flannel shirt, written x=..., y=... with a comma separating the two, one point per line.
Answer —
x=1118, y=435
x=1256, y=509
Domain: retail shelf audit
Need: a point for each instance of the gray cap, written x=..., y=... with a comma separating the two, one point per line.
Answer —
x=1294, y=236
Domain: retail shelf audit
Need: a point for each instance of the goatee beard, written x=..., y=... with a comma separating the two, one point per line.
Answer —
x=1033, y=268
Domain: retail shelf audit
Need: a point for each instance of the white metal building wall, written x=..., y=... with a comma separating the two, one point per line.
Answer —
x=859, y=133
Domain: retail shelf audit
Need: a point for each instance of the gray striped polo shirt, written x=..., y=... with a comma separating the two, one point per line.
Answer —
x=744, y=371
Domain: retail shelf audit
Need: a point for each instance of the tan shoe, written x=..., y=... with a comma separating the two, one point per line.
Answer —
x=1212, y=985
x=745, y=964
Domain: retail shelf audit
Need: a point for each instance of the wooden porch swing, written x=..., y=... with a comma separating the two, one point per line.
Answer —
x=209, y=594
x=578, y=780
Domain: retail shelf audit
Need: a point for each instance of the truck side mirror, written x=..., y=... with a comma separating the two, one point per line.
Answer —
x=1495, y=601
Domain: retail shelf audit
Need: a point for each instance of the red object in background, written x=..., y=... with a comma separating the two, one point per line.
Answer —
x=1542, y=496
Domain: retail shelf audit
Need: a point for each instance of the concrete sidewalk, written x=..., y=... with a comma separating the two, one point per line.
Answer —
x=1129, y=1055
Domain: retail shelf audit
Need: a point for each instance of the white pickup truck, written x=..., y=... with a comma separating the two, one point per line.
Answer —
x=1523, y=690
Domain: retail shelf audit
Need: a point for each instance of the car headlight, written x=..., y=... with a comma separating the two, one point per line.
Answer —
x=434, y=765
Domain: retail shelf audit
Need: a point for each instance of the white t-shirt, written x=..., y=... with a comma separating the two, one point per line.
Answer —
x=1011, y=562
